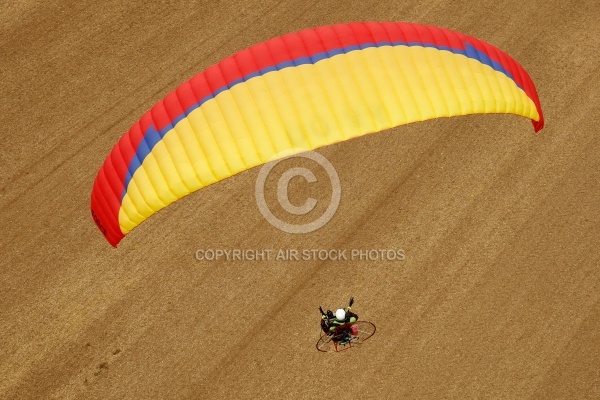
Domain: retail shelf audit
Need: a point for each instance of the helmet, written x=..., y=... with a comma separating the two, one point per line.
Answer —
x=340, y=314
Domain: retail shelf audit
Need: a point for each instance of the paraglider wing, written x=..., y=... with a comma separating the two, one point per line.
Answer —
x=300, y=91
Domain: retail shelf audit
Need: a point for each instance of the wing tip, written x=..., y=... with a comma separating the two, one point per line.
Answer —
x=538, y=125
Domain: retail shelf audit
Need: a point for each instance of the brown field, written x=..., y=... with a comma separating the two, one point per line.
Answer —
x=498, y=296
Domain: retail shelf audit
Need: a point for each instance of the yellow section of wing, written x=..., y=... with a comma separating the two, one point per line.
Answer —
x=310, y=106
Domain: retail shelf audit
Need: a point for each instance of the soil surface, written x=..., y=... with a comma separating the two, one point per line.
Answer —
x=498, y=292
